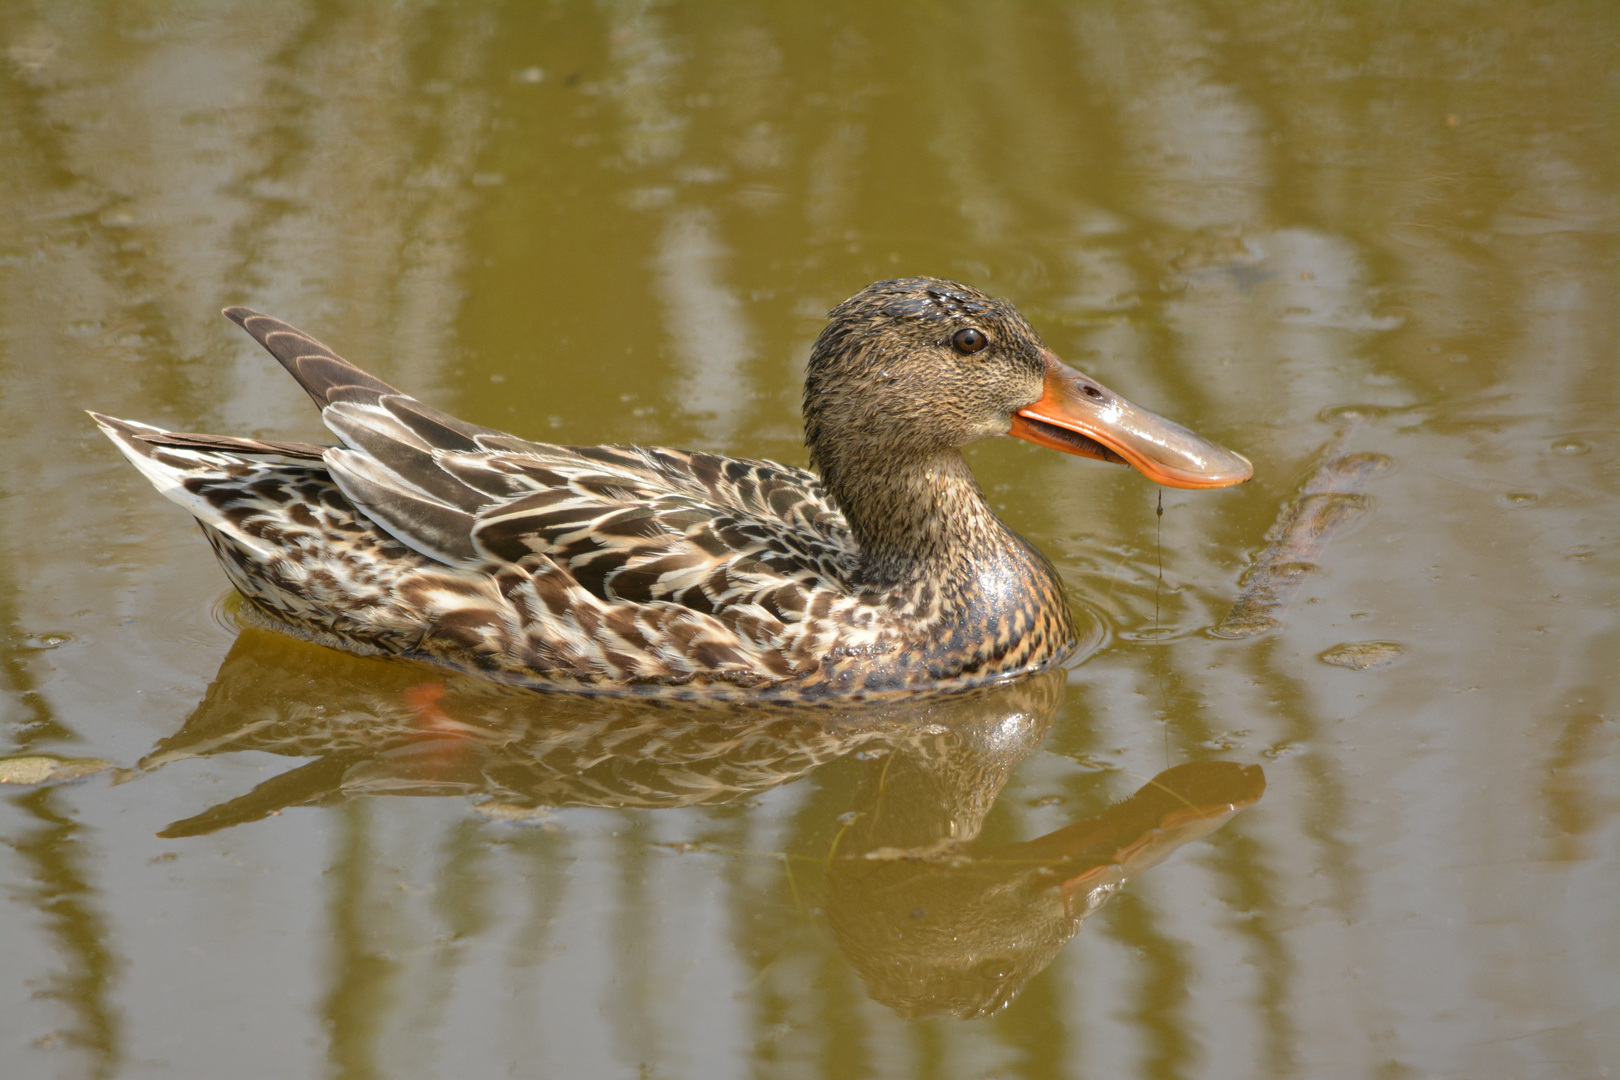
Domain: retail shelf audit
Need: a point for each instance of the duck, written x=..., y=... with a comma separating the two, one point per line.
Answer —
x=647, y=571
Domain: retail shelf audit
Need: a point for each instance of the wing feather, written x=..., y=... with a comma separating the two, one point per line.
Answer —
x=747, y=542
x=411, y=515
x=192, y=440
x=377, y=434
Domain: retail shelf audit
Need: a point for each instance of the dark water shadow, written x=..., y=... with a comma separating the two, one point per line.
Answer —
x=934, y=920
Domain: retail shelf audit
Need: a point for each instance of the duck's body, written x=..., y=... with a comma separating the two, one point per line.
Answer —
x=603, y=568
x=653, y=571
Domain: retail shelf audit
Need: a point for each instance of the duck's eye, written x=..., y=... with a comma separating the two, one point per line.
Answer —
x=969, y=341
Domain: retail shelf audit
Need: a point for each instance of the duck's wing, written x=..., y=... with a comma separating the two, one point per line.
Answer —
x=645, y=524
x=630, y=523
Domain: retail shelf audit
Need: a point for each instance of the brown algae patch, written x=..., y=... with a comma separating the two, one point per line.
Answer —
x=1364, y=655
x=35, y=769
x=1328, y=504
x=514, y=813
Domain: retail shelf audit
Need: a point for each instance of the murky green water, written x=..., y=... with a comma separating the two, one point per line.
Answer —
x=1376, y=247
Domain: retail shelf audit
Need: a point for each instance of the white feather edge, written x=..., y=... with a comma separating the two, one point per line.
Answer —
x=168, y=479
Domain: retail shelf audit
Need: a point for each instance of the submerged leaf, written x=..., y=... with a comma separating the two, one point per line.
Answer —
x=43, y=769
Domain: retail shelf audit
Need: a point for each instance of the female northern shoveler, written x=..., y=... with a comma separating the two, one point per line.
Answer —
x=652, y=571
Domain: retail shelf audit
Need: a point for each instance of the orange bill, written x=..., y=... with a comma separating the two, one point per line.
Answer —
x=1079, y=415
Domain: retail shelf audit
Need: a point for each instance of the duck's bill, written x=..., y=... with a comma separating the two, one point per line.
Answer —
x=1078, y=415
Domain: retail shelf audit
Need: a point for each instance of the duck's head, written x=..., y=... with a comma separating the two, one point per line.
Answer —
x=910, y=369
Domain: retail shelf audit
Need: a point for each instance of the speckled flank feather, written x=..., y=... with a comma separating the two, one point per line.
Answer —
x=603, y=569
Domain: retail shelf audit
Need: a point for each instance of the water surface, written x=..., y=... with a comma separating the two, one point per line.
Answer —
x=1374, y=247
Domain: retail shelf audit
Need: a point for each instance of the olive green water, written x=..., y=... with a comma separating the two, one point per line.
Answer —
x=1375, y=247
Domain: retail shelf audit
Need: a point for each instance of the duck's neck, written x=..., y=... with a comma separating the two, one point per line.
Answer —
x=927, y=521
x=983, y=602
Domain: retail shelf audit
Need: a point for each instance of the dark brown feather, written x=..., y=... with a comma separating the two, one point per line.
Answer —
x=188, y=440
x=318, y=369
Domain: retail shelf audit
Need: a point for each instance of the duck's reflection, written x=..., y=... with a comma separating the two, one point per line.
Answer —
x=935, y=920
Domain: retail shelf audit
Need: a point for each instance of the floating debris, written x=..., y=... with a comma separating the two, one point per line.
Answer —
x=1329, y=501
x=514, y=813
x=1364, y=655
x=43, y=769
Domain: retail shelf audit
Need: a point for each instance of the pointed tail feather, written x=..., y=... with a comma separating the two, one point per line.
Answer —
x=331, y=380
x=164, y=466
x=183, y=475
x=320, y=371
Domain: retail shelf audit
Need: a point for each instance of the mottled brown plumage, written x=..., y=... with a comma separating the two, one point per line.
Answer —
x=654, y=571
